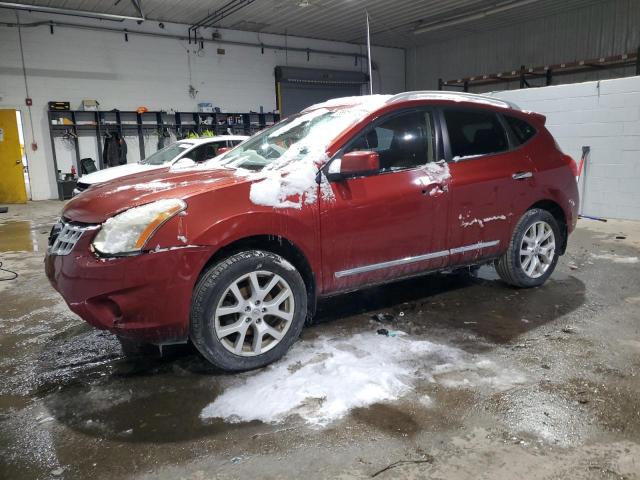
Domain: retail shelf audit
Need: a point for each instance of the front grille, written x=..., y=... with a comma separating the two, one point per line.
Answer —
x=64, y=237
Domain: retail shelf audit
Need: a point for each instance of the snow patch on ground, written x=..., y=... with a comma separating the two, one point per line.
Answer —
x=612, y=257
x=323, y=379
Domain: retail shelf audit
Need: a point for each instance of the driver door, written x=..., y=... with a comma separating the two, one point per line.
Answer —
x=392, y=222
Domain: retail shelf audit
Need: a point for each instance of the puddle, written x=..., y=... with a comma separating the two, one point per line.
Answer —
x=23, y=237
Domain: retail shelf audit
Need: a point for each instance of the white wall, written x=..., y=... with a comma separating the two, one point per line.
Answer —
x=604, y=115
x=74, y=64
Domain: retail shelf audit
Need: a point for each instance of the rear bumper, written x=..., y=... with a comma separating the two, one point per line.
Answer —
x=145, y=297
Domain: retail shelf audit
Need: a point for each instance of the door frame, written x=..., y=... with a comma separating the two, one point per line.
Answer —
x=21, y=126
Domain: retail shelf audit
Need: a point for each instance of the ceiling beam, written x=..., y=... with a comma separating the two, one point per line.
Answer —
x=227, y=9
x=137, y=4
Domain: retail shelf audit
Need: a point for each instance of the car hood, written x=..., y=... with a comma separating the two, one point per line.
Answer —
x=101, y=202
x=107, y=174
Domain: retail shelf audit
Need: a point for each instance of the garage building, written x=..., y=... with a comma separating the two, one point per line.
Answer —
x=137, y=350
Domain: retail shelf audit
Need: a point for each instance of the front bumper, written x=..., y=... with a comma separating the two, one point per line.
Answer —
x=146, y=297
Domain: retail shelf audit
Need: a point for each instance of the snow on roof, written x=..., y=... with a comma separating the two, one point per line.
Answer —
x=369, y=102
x=372, y=102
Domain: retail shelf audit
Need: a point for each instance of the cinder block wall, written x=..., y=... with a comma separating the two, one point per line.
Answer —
x=604, y=115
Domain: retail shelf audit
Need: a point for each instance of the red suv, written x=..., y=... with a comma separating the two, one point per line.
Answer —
x=234, y=254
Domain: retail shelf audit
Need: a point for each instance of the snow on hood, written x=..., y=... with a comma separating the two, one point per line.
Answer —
x=103, y=201
x=322, y=380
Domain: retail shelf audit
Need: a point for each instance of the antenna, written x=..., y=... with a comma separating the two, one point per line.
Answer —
x=369, y=55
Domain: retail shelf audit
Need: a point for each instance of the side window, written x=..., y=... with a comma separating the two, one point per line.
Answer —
x=474, y=132
x=522, y=131
x=203, y=152
x=233, y=143
x=403, y=141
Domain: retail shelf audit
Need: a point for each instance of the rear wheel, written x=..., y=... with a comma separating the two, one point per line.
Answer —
x=531, y=257
x=248, y=310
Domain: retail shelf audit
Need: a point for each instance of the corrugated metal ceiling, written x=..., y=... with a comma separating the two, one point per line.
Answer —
x=392, y=22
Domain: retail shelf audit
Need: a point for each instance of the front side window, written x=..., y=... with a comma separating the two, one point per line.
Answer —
x=474, y=132
x=403, y=141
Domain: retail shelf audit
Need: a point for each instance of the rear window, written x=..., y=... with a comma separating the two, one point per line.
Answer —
x=474, y=132
x=522, y=131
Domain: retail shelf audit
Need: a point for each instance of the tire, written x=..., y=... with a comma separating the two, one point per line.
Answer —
x=521, y=270
x=235, y=324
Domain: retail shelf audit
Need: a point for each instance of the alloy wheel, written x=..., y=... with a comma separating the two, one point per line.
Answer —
x=254, y=313
x=537, y=249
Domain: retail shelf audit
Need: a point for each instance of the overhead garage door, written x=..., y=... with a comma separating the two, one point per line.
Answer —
x=297, y=88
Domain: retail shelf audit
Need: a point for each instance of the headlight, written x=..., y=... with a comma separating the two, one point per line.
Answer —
x=129, y=231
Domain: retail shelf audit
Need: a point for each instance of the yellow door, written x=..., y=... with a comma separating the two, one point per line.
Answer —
x=12, y=188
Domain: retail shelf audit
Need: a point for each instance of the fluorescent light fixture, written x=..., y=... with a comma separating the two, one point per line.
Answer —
x=474, y=16
x=66, y=11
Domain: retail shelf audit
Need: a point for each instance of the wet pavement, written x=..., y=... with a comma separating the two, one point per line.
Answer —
x=476, y=380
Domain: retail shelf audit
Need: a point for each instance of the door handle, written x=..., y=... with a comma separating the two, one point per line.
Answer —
x=521, y=175
x=18, y=161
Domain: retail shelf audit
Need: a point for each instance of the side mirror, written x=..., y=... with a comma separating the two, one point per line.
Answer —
x=184, y=162
x=222, y=150
x=354, y=164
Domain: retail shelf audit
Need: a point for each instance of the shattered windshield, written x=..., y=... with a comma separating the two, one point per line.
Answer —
x=166, y=154
x=293, y=139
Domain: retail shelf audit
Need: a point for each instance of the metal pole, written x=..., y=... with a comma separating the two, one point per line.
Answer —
x=369, y=55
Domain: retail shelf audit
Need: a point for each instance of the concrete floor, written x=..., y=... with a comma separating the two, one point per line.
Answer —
x=488, y=382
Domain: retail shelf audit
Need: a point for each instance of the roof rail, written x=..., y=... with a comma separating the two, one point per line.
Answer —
x=446, y=95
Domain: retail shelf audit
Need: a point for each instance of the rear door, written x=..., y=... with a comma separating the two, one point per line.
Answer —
x=391, y=223
x=491, y=183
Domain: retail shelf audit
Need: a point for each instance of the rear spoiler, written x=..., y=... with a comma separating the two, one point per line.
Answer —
x=538, y=117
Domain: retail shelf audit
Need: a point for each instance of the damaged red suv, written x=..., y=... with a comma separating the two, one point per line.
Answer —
x=234, y=253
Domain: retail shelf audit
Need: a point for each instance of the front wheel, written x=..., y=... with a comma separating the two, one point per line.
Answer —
x=248, y=310
x=531, y=257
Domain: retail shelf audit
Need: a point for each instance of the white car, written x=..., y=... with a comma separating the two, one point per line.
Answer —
x=197, y=149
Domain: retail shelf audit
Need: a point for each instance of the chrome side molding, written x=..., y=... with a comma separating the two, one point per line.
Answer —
x=418, y=258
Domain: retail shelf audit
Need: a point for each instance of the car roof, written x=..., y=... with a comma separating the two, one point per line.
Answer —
x=217, y=138
x=452, y=96
x=374, y=102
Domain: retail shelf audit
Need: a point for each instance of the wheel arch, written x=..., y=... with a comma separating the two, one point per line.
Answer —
x=280, y=246
x=558, y=213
